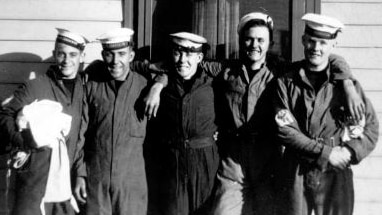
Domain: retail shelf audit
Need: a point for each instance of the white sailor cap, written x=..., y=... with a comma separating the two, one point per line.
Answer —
x=321, y=26
x=71, y=38
x=268, y=21
x=188, y=41
x=116, y=39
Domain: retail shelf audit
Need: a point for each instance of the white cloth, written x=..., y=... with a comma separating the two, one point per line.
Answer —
x=354, y=131
x=49, y=126
x=47, y=122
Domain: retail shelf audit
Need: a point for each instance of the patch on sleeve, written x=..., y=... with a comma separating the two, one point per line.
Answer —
x=284, y=117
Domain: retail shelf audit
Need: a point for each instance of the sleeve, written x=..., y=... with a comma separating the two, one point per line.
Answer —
x=10, y=136
x=143, y=68
x=339, y=67
x=364, y=145
x=79, y=165
x=289, y=133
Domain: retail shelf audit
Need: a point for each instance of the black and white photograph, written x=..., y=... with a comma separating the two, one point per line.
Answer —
x=190, y=107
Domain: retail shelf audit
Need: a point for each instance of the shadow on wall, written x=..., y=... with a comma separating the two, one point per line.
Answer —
x=18, y=67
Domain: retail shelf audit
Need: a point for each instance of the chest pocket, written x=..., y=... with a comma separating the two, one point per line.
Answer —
x=137, y=124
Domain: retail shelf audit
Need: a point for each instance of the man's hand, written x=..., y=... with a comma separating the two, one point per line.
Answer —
x=152, y=100
x=232, y=170
x=158, y=67
x=340, y=157
x=21, y=121
x=355, y=104
x=80, y=190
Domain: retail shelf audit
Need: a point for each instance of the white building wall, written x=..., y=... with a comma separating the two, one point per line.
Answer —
x=361, y=45
x=28, y=32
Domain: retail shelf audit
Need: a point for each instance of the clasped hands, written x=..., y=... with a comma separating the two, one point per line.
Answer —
x=340, y=157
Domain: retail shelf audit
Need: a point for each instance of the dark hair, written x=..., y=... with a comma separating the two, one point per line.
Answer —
x=256, y=23
x=205, y=48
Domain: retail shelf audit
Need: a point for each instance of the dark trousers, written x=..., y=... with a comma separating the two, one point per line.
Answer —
x=61, y=208
x=333, y=196
x=328, y=193
x=187, y=182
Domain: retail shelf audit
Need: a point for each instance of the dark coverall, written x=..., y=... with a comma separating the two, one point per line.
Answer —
x=115, y=134
x=31, y=179
x=188, y=155
x=310, y=124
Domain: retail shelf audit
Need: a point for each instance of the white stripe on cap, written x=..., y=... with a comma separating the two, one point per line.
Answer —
x=72, y=35
x=70, y=38
x=322, y=23
x=117, y=35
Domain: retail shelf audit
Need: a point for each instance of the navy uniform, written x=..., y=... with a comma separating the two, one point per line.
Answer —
x=187, y=153
x=116, y=129
x=31, y=179
x=243, y=135
x=321, y=143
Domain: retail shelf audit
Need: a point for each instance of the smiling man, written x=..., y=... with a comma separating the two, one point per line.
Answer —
x=246, y=139
x=187, y=155
x=62, y=83
x=321, y=143
x=116, y=129
x=254, y=45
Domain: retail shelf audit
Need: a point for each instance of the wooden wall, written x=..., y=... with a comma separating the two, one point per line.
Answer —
x=27, y=38
x=361, y=45
x=28, y=32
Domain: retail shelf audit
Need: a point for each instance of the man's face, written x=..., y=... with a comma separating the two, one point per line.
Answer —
x=186, y=63
x=255, y=43
x=68, y=60
x=317, y=51
x=118, y=62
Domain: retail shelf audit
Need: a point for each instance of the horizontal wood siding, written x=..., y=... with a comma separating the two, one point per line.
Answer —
x=28, y=33
x=369, y=36
x=354, y=13
x=26, y=30
x=39, y=51
x=364, y=76
x=368, y=190
x=84, y=10
x=361, y=45
x=360, y=57
x=370, y=168
x=351, y=1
